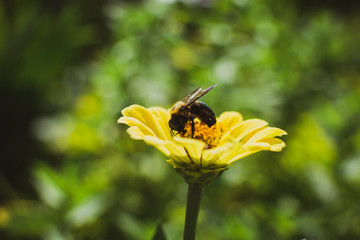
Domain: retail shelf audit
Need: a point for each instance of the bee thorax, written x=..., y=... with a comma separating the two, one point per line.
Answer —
x=177, y=107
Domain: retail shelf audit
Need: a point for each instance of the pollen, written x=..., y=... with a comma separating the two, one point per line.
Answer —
x=210, y=135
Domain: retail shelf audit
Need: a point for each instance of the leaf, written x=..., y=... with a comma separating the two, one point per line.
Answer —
x=159, y=233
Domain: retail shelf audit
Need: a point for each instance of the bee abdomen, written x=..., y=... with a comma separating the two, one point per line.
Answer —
x=203, y=112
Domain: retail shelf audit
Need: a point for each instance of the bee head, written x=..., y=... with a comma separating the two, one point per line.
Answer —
x=177, y=107
x=177, y=123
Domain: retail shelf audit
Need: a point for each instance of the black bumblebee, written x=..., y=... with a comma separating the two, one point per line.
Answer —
x=188, y=109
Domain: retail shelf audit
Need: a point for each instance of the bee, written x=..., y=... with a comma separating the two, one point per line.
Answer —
x=190, y=108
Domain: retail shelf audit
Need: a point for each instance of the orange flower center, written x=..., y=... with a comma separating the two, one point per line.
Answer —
x=210, y=135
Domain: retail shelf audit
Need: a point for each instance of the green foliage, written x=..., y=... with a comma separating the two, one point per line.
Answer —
x=159, y=234
x=299, y=72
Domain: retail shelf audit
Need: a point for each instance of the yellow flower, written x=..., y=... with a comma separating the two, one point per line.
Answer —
x=202, y=156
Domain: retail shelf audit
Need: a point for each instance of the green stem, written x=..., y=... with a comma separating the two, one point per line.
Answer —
x=192, y=210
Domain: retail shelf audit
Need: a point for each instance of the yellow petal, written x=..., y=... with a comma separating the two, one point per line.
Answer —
x=135, y=111
x=167, y=147
x=270, y=144
x=230, y=119
x=158, y=143
x=180, y=161
x=276, y=144
x=240, y=155
x=152, y=118
x=235, y=152
x=136, y=133
x=258, y=146
x=192, y=147
x=268, y=132
x=136, y=124
x=162, y=117
x=181, y=152
x=216, y=156
x=226, y=139
x=251, y=147
x=247, y=127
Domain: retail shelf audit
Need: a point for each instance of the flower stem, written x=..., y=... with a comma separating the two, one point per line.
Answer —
x=192, y=210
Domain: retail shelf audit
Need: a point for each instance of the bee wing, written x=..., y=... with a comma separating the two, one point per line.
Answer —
x=188, y=97
x=195, y=95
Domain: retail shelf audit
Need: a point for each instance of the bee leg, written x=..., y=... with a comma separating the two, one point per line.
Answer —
x=192, y=125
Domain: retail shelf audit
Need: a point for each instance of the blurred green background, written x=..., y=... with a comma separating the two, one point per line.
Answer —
x=68, y=171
